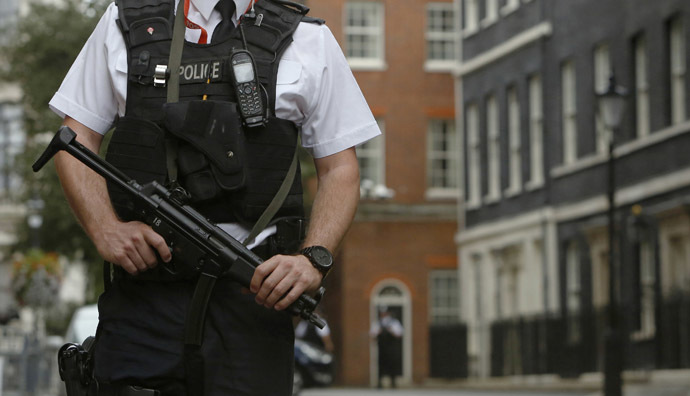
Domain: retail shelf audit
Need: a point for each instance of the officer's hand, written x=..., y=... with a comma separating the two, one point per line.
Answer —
x=280, y=280
x=131, y=246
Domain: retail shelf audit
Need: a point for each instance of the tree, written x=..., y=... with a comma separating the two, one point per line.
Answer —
x=41, y=49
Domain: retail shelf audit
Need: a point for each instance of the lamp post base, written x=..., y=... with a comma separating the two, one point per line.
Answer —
x=613, y=365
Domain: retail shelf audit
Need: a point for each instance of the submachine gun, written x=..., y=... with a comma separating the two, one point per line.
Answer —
x=200, y=248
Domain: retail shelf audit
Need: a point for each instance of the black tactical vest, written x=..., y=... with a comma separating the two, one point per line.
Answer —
x=232, y=172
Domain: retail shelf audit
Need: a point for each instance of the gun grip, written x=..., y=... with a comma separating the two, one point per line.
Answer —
x=61, y=140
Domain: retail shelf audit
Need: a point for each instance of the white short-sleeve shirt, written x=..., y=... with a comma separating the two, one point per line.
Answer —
x=315, y=86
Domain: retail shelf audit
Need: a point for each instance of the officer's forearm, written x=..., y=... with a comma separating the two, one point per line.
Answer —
x=85, y=190
x=336, y=199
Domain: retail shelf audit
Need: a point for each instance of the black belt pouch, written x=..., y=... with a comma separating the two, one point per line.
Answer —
x=211, y=147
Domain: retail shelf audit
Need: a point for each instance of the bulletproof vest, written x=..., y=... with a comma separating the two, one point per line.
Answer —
x=232, y=172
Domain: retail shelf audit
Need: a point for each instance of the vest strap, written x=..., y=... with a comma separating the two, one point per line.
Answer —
x=276, y=202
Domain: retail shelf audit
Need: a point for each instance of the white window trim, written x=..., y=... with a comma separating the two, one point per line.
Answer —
x=602, y=73
x=678, y=71
x=373, y=64
x=536, y=134
x=642, y=103
x=493, y=150
x=569, y=109
x=491, y=10
x=442, y=274
x=471, y=18
x=515, y=144
x=473, y=158
x=435, y=192
x=441, y=65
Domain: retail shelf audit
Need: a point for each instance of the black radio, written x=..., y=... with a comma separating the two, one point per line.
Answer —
x=248, y=88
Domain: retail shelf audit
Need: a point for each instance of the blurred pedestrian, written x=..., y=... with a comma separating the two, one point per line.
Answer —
x=388, y=332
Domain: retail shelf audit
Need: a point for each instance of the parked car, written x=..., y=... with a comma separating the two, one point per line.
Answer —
x=313, y=367
x=83, y=324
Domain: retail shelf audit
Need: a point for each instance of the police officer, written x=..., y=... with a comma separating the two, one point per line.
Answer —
x=123, y=77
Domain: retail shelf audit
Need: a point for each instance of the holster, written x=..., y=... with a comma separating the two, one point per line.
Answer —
x=75, y=364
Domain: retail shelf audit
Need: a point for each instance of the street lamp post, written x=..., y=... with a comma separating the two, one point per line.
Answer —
x=611, y=105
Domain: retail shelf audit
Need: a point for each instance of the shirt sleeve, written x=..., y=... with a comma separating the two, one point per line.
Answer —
x=337, y=115
x=87, y=93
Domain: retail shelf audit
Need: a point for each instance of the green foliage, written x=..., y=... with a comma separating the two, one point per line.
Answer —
x=44, y=45
x=39, y=52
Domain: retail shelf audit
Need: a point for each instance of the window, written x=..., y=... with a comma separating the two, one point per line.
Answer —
x=445, y=299
x=364, y=34
x=602, y=73
x=641, y=87
x=515, y=142
x=440, y=33
x=474, y=167
x=536, y=132
x=647, y=324
x=370, y=156
x=491, y=12
x=471, y=16
x=574, y=291
x=494, y=150
x=569, y=121
x=677, y=45
x=679, y=264
x=442, y=156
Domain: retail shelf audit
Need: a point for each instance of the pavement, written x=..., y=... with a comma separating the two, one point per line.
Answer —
x=651, y=383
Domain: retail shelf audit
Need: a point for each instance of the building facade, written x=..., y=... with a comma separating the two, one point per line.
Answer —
x=399, y=253
x=533, y=249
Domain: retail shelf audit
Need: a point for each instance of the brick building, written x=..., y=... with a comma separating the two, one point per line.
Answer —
x=400, y=251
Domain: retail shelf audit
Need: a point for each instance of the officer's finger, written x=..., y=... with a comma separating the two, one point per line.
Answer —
x=128, y=266
x=269, y=285
x=137, y=260
x=144, y=251
x=156, y=241
x=281, y=288
x=261, y=272
x=291, y=296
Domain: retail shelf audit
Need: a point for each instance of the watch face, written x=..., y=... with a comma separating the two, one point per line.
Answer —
x=321, y=256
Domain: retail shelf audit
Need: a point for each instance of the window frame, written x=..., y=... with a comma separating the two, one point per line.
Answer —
x=440, y=36
x=450, y=309
x=569, y=112
x=446, y=127
x=377, y=32
x=536, y=132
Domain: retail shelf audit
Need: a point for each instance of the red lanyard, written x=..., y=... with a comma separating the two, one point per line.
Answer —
x=191, y=25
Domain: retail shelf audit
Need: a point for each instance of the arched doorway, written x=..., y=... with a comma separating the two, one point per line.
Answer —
x=395, y=297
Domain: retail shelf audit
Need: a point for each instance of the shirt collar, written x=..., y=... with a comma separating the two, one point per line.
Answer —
x=205, y=7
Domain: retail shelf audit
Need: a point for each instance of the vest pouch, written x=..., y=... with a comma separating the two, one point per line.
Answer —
x=137, y=148
x=211, y=149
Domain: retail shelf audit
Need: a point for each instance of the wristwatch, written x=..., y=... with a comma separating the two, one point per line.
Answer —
x=320, y=258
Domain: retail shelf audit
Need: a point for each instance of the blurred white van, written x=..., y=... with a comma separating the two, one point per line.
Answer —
x=83, y=324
